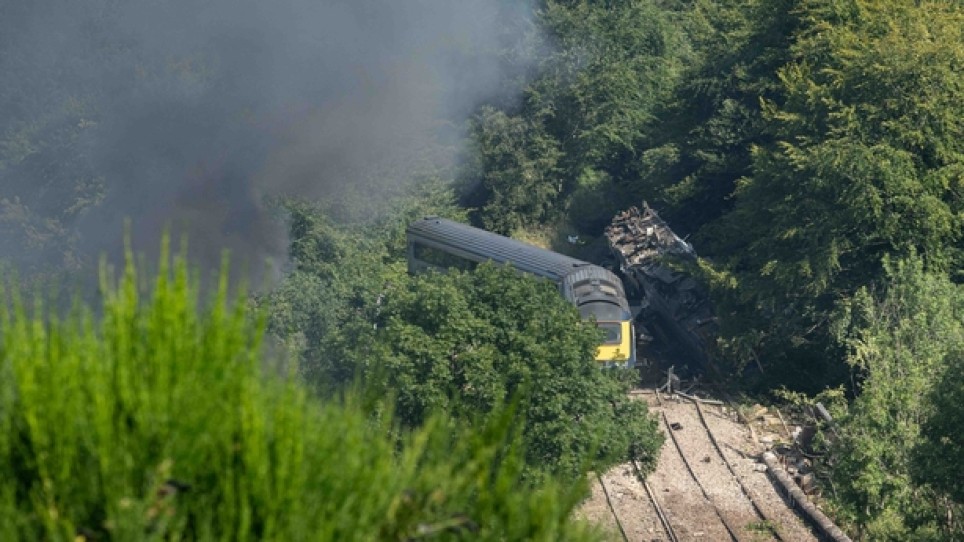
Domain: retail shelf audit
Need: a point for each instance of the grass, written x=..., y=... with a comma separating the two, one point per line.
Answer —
x=153, y=418
x=555, y=237
x=762, y=530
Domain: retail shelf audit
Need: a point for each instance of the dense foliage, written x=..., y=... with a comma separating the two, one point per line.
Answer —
x=938, y=457
x=866, y=161
x=467, y=344
x=902, y=343
x=800, y=144
x=797, y=142
x=158, y=421
x=581, y=122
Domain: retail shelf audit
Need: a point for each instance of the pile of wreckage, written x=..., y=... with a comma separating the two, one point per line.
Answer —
x=651, y=257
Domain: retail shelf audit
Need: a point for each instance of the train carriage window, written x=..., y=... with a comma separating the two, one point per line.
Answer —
x=603, y=311
x=440, y=258
x=587, y=287
x=612, y=331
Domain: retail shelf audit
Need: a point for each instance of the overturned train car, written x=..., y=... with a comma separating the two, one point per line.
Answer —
x=437, y=243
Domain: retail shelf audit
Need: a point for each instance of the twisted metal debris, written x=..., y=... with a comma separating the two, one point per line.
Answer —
x=652, y=258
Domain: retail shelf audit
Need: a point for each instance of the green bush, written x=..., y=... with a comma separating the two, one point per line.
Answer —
x=148, y=419
x=902, y=342
x=466, y=343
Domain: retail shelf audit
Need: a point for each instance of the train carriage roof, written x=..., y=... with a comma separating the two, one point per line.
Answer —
x=491, y=246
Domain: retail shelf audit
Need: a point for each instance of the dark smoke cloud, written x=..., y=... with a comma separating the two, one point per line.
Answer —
x=188, y=114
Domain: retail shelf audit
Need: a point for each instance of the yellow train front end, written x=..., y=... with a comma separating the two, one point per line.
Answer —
x=598, y=295
x=619, y=345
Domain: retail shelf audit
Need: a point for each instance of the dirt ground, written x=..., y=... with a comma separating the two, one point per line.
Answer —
x=694, y=509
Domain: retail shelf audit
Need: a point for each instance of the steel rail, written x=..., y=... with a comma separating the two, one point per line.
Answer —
x=612, y=508
x=743, y=488
x=726, y=524
x=670, y=532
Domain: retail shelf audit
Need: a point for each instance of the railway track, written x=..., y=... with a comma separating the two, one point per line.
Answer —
x=636, y=526
x=705, y=487
x=736, y=508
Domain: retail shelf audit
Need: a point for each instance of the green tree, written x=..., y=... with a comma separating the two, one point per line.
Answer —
x=573, y=146
x=866, y=161
x=466, y=343
x=614, y=69
x=940, y=453
x=335, y=272
x=705, y=133
x=514, y=172
x=900, y=343
x=338, y=273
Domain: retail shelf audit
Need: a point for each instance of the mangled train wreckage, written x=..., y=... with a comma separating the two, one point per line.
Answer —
x=652, y=259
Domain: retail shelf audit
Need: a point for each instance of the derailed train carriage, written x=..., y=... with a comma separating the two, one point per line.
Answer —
x=438, y=243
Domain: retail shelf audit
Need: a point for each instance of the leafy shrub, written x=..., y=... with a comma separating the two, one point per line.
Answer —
x=899, y=340
x=157, y=421
x=467, y=343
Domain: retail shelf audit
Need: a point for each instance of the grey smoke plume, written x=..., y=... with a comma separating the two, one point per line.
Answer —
x=188, y=114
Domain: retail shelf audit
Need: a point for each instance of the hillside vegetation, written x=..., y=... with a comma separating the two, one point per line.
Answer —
x=160, y=418
x=460, y=343
x=811, y=150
